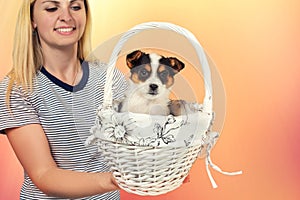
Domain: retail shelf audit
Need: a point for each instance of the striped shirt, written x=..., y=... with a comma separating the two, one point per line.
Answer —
x=66, y=114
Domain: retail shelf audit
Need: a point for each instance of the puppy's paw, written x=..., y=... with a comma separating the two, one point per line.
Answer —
x=177, y=107
x=117, y=105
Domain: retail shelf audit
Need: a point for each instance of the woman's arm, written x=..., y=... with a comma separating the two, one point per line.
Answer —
x=31, y=147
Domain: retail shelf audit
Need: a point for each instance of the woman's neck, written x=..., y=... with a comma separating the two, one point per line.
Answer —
x=63, y=64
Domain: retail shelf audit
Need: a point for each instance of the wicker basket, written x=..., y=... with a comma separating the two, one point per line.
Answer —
x=149, y=170
x=154, y=170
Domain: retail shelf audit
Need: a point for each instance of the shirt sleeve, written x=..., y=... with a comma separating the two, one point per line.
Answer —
x=20, y=111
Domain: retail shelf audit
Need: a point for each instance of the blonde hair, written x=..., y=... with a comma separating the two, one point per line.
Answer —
x=27, y=54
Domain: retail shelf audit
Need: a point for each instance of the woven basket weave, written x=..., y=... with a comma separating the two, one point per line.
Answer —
x=148, y=170
x=154, y=170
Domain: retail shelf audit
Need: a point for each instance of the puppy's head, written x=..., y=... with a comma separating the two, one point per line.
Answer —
x=152, y=74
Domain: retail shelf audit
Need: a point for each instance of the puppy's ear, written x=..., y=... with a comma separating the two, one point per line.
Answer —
x=133, y=59
x=176, y=64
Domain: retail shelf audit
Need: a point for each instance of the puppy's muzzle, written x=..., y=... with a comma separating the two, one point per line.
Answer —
x=153, y=89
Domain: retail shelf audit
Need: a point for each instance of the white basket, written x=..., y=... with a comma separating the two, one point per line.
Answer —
x=148, y=170
x=154, y=170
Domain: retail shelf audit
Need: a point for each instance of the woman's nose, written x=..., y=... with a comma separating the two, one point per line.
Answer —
x=65, y=15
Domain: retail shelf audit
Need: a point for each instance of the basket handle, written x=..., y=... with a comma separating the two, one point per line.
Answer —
x=207, y=103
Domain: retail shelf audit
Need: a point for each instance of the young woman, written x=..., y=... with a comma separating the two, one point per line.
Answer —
x=48, y=102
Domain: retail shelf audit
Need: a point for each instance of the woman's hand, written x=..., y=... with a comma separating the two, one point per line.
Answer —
x=187, y=179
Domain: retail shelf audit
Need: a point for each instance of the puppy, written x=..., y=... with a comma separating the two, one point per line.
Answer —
x=151, y=78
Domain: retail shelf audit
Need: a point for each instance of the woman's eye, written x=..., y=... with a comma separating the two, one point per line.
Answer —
x=52, y=9
x=75, y=8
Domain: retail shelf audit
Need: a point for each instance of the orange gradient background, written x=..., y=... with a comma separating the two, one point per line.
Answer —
x=255, y=46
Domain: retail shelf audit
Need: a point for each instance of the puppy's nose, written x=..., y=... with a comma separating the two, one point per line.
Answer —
x=153, y=87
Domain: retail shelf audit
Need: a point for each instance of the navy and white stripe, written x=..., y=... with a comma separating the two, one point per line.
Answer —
x=66, y=114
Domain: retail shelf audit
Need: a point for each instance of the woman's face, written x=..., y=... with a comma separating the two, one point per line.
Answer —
x=60, y=23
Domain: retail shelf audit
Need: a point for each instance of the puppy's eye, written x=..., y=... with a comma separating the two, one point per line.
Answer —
x=164, y=74
x=143, y=73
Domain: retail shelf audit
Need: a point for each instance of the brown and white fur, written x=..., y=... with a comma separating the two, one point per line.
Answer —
x=151, y=78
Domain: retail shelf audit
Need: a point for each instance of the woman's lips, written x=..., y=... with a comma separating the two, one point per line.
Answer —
x=65, y=30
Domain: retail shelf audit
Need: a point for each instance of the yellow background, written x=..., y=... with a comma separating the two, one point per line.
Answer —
x=255, y=45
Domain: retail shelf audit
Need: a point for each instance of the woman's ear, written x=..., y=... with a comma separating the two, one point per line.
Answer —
x=33, y=24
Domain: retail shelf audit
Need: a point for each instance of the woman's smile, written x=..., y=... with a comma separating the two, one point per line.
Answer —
x=65, y=30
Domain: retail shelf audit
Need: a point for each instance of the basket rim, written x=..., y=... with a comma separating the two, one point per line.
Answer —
x=146, y=147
